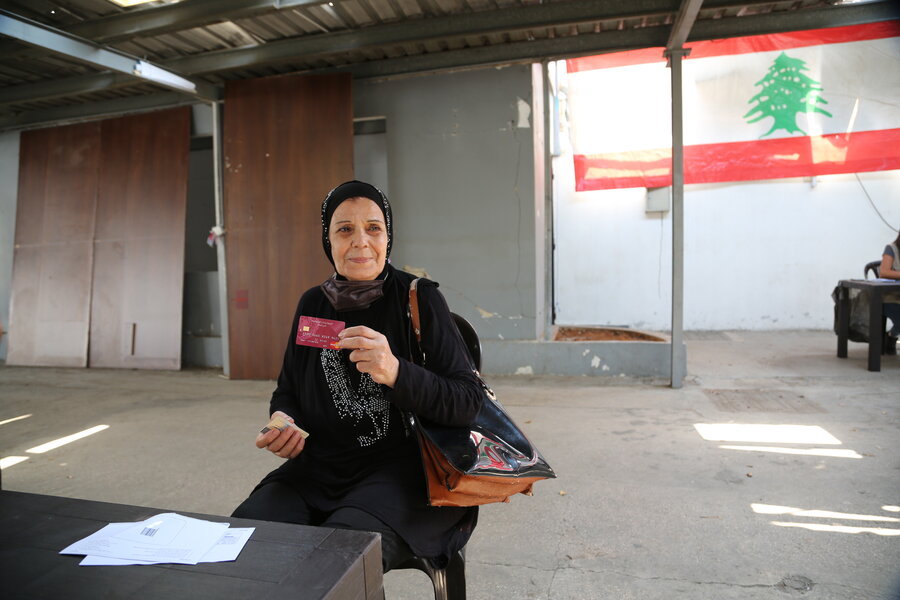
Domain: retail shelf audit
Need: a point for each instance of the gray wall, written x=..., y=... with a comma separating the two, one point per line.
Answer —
x=461, y=178
x=9, y=188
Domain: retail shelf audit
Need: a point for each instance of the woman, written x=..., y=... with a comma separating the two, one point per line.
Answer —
x=890, y=269
x=360, y=467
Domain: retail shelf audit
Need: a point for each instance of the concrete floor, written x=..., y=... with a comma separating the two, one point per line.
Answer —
x=644, y=507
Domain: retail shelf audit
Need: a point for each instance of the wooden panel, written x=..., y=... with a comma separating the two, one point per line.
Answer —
x=138, y=281
x=287, y=141
x=52, y=261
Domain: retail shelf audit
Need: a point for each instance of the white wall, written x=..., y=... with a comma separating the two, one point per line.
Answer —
x=758, y=255
x=9, y=189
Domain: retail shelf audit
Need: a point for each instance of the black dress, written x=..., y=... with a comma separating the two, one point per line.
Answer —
x=360, y=452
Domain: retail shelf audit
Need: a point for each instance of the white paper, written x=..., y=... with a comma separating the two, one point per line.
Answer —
x=167, y=537
x=229, y=545
x=226, y=549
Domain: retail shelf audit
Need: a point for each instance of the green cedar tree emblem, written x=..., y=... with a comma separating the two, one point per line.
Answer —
x=786, y=91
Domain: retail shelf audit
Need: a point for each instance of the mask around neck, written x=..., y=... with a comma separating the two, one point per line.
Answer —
x=352, y=295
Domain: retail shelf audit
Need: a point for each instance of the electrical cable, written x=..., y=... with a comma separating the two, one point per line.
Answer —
x=875, y=208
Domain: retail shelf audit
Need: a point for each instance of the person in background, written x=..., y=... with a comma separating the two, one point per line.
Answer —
x=360, y=467
x=890, y=269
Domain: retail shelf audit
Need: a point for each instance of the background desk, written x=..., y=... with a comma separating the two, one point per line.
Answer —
x=877, y=291
x=280, y=560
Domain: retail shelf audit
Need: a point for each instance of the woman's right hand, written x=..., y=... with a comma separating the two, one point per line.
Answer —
x=286, y=444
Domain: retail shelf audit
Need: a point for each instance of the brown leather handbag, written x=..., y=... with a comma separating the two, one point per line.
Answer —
x=487, y=461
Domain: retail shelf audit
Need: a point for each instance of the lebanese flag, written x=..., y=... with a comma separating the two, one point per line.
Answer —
x=760, y=107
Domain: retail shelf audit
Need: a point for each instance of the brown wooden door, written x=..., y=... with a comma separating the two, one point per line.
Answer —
x=52, y=260
x=98, y=267
x=138, y=282
x=287, y=141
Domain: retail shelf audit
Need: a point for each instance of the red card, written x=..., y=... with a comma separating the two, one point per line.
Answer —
x=318, y=333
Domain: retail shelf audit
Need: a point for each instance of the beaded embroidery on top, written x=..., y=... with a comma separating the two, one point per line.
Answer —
x=366, y=407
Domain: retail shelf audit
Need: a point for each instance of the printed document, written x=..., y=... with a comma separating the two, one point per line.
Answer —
x=163, y=538
x=226, y=549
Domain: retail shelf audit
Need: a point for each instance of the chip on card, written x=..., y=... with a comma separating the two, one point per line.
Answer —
x=318, y=333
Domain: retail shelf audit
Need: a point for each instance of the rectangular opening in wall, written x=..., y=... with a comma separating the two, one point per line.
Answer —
x=202, y=333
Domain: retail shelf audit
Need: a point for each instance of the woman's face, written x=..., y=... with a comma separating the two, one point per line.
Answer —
x=358, y=239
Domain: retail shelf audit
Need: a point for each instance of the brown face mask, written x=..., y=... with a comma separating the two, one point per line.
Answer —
x=352, y=295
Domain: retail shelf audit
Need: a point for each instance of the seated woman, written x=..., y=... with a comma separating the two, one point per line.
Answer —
x=890, y=269
x=360, y=467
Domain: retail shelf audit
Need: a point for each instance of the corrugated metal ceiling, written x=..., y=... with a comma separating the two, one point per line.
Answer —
x=212, y=41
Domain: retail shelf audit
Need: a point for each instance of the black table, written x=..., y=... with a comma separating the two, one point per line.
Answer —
x=280, y=560
x=877, y=291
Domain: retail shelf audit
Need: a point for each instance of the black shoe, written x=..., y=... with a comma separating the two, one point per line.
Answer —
x=890, y=346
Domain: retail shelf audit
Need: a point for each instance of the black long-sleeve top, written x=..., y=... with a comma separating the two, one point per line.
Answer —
x=360, y=451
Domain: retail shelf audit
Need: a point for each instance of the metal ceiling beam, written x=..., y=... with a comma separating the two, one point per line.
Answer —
x=561, y=47
x=187, y=14
x=61, y=88
x=554, y=48
x=57, y=42
x=522, y=52
x=72, y=47
x=177, y=17
x=687, y=14
x=798, y=20
x=497, y=21
x=523, y=18
x=157, y=20
x=95, y=110
x=616, y=41
x=558, y=14
x=150, y=21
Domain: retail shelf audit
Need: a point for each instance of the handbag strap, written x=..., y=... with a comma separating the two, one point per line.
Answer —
x=417, y=326
x=414, y=310
x=418, y=355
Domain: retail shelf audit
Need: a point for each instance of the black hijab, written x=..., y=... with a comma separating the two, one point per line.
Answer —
x=355, y=189
x=354, y=295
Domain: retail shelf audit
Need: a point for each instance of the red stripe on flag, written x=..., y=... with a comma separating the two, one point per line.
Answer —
x=743, y=45
x=805, y=156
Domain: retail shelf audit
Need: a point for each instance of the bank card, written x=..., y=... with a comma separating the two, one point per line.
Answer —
x=318, y=333
x=280, y=423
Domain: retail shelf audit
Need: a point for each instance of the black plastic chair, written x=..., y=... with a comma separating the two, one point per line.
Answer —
x=470, y=338
x=450, y=582
x=875, y=267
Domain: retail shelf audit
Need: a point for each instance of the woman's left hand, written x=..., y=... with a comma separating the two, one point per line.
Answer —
x=371, y=353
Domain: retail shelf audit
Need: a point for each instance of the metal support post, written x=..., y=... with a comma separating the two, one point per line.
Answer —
x=675, y=56
x=221, y=240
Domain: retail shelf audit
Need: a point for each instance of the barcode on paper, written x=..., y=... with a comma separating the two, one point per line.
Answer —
x=149, y=531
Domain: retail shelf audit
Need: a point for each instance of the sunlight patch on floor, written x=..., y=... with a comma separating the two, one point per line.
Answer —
x=771, y=509
x=14, y=419
x=52, y=445
x=832, y=452
x=8, y=461
x=840, y=528
x=761, y=433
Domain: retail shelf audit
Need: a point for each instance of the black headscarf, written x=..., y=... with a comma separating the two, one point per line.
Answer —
x=354, y=189
x=354, y=295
